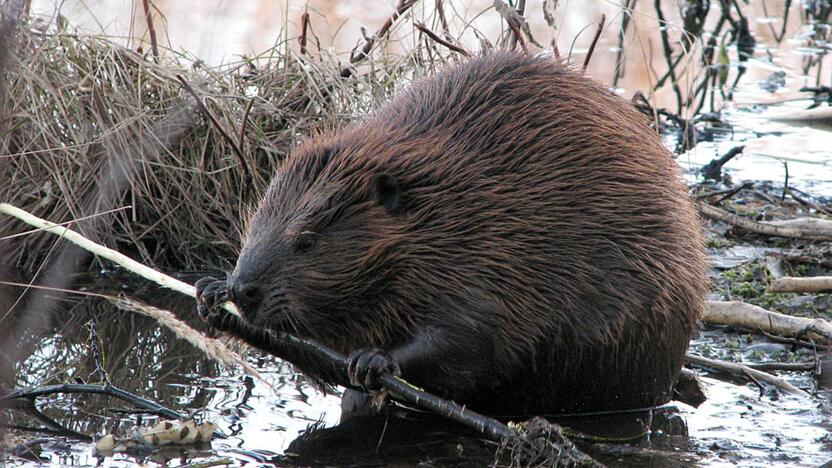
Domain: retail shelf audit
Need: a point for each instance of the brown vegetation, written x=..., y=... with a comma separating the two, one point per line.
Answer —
x=93, y=127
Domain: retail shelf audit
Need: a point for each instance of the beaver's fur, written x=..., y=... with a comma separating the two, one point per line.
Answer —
x=513, y=234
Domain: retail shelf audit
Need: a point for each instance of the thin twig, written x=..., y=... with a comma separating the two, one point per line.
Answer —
x=727, y=193
x=741, y=370
x=668, y=55
x=440, y=11
x=436, y=38
x=594, y=41
x=785, y=182
x=304, y=27
x=151, y=29
x=626, y=14
x=241, y=139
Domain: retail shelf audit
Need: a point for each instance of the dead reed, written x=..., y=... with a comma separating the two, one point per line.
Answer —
x=163, y=159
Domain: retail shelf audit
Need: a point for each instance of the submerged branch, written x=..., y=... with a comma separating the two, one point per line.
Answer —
x=744, y=372
x=106, y=389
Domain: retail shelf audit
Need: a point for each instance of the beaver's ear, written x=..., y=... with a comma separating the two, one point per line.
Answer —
x=387, y=192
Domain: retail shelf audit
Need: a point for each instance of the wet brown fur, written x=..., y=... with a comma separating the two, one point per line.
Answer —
x=544, y=242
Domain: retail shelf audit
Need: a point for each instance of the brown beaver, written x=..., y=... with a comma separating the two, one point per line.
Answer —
x=507, y=233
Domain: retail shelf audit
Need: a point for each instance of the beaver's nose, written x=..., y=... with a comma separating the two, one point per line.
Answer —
x=246, y=295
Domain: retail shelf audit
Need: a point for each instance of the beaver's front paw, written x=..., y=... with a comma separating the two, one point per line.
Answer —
x=367, y=365
x=210, y=294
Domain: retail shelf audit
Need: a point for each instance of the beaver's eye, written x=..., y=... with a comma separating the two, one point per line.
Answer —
x=305, y=241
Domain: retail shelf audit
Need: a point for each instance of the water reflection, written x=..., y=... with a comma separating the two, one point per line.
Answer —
x=295, y=424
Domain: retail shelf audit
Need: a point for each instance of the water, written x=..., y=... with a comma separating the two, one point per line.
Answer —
x=267, y=421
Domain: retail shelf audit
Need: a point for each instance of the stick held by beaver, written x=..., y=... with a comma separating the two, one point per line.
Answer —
x=506, y=233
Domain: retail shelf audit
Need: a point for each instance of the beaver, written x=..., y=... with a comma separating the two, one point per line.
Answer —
x=506, y=233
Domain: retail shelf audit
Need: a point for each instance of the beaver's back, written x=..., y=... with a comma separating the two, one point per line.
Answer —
x=540, y=191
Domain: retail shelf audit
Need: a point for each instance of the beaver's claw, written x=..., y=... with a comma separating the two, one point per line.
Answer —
x=210, y=293
x=366, y=366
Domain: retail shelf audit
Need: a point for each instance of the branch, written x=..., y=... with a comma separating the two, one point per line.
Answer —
x=815, y=230
x=107, y=389
x=151, y=29
x=744, y=372
x=401, y=8
x=533, y=447
x=753, y=317
x=815, y=284
x=594, y=41
x=436, y=38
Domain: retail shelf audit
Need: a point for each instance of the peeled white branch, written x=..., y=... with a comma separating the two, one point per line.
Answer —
x=213, y=348
x=749, y=316
x=122, y=260
x=813, y=284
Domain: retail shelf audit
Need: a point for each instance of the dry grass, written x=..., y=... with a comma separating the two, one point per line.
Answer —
x=91, y=127
x=94, y=126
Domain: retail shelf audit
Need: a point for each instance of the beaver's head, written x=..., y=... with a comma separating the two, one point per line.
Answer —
x=322, y=246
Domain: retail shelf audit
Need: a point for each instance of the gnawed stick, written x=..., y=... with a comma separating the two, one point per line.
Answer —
x=813, y=284
x=537, y=442
x=753, y=317
x=212, y=348
x=798, y=229
x=120, y=259
x=744, y=371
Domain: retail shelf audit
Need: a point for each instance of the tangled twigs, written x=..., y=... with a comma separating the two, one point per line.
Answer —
x=401, y=8
x=804, y=229
x=237, y=151
x=547, y=441
x=516, y=22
